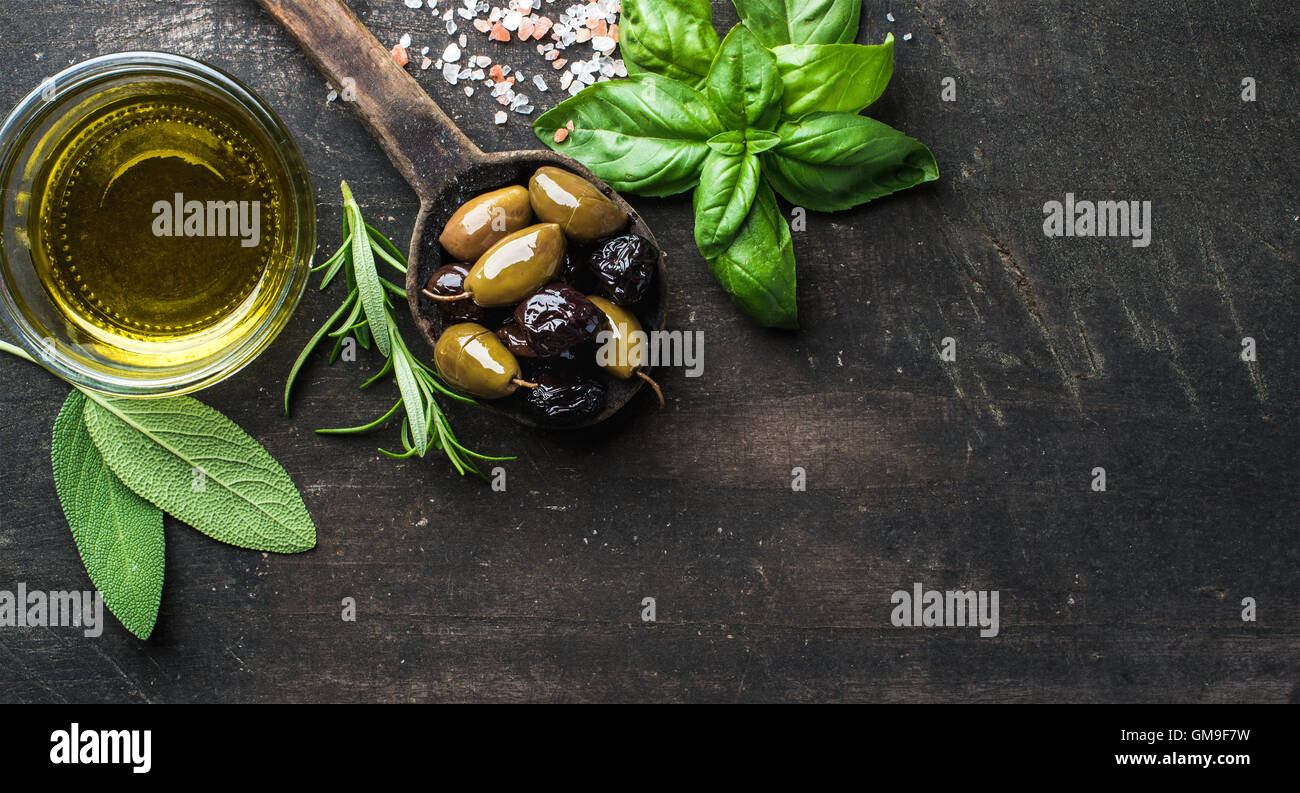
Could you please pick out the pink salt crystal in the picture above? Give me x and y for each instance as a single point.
(499, 33)
(552, 55)
(559, 64)
(584, 34)
(482, 25)
(541, 27)
(495, 73)
(561, 134)
(399, 55)
(525, 29)
(613, 31)
(568, 125)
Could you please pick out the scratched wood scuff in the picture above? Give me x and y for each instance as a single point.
(1073, 353)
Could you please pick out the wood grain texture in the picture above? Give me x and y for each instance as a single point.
(1073, 353)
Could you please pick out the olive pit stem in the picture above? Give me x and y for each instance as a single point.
(522, 383)
(444, 298)
(653, 385)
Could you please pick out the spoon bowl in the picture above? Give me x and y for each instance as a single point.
(442, 165)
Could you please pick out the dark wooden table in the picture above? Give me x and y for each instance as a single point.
(1072, 354)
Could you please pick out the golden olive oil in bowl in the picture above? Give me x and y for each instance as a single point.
(158, 224)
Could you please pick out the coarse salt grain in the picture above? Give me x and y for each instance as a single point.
(890, 16)
(500, 117)
(414, 3)
(405, 40)
(907, 37)
(539, 82)
(561, 134)
(399, 55)
(451, 54)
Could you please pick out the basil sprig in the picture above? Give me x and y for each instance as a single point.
(771, 106)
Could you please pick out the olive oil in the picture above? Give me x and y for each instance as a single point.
(161, 223)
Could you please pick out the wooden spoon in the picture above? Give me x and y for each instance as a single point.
(442, 166)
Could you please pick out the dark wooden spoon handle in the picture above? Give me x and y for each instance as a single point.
(423, 143)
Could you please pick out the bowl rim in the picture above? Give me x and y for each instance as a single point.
(44, 100)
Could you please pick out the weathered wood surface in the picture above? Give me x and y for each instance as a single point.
(1073, 353)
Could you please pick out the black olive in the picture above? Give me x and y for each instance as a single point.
(556, 317)
(574, 270)
(564, 398)
(624, 266)
(448, 281)
(515, 339)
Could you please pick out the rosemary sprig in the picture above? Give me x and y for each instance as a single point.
(367, 315)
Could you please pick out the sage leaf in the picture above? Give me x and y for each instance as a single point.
(645, 135)
(199, 466)
(743, 84)
(832, 161)
(118, 534)
(673, 38)
(728, 184)
(363, 264)
(778, 22)
(839, 78)
(757, 269)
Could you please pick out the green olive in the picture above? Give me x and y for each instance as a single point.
(516, 266)
(627, 352)
(582, 210)
(483, 220)
(472, 359)
(629, 345)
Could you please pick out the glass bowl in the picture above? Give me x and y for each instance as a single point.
(42, 302)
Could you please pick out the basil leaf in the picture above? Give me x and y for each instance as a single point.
(118, 534)
(643, 135)
(778, 22)
(757, 269)
(722, 201)
(673, 38)
(831, 161)
(731, 142)
(743, 84)
(839, 78)
(758, 141)
(201, 468)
